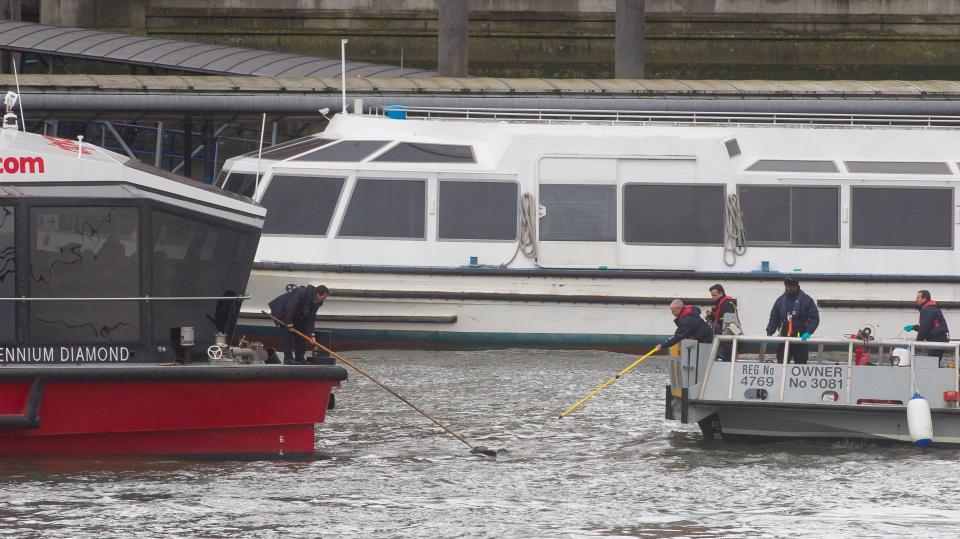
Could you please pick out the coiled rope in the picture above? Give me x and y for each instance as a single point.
(735, 239)
(527, 242)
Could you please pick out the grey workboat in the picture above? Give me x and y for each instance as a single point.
(850, 389)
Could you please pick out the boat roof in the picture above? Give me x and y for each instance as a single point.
(489, 136)
(29, 162)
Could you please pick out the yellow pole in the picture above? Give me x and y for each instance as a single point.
(605, 384)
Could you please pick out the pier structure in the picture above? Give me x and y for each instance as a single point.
(159, 119)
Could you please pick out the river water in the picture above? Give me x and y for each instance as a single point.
(615, 468)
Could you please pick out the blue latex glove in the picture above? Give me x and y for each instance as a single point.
(908, 327)
(805, 336)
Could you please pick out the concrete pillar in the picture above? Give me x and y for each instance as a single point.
(454, 17)
(94, 13)
(629, 39)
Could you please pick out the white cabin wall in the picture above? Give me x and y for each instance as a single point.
(515, 150)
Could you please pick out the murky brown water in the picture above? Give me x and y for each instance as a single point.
(615, 468)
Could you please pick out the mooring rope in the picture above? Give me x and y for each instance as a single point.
(527, 238)
(735, 239)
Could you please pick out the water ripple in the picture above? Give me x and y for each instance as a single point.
(614, 468)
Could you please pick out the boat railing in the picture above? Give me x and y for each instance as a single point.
(675, 118)
(146, 299)
(821, 344)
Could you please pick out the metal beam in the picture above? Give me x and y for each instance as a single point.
(116, 135)
(200, 148)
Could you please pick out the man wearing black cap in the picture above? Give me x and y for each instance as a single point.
(794, 314)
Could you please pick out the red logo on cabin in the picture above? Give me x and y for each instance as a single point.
(21, 165)
(65, 144)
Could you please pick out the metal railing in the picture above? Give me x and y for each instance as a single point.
(678, 118)
(849, 344)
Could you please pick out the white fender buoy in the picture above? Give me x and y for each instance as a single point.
(919, 421)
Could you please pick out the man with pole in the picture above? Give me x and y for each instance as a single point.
(297, 309)
(689, 325)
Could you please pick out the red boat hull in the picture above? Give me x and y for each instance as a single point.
(244, 411)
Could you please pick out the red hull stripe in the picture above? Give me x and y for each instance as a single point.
(156, 417)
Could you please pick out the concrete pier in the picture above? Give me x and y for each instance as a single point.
(734, 39)
(630, 39)
(452, 38)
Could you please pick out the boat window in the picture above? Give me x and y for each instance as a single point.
(733, 147)
(300, 205)
(472, 210)
(7, 274)
(774, 214)
(386, 209)
(410, 152)
(290, 148)
(576, 212)
(80, 251)
(241, 183)
(193, 258)
(792, 165)
(345, 150)
(896, 167)
(673, 214)
(221, 178)
(902, 217)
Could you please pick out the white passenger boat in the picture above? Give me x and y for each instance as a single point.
(840, 394)
(459, 228)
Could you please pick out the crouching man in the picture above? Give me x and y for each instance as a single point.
(689, 325)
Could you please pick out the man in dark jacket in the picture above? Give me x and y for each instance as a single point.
(932, 326)
(689, 325)
(722, 304)
(297, 309)
(794, 314)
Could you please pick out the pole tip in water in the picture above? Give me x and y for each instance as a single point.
(489, 453)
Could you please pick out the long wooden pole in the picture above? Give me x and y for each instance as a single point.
(313, 342)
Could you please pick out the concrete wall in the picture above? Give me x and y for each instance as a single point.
(94, 13)
(732, 39)
(812, 7)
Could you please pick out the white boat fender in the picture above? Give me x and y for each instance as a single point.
(919, 421)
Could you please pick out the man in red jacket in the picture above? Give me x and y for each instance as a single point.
(689, 325)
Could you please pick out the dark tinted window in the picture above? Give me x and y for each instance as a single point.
(792, 165)
(300, 205)
(290, 148)
(386, 209)
(766, 213)
(345, 150)
(897, 167)
(815, 216)
(84, 252)
(409, 152)
(193, 258)
(241, 183)
(478, 210)
(578, 212)
(791, 215)
(683, 214)
(7, 274)
(733, 148)
(901, 217)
